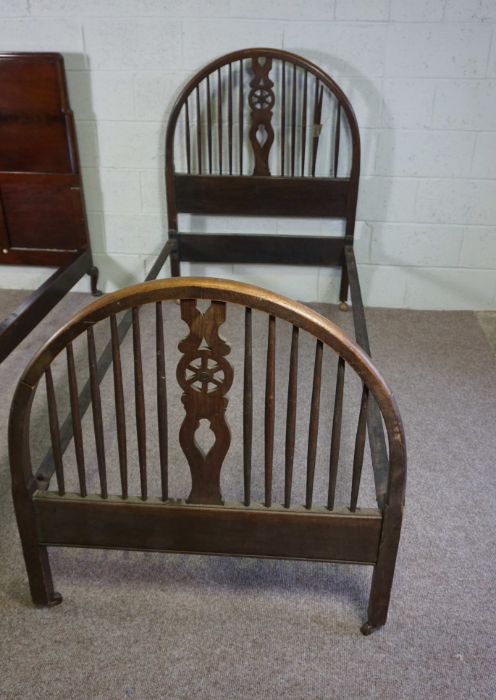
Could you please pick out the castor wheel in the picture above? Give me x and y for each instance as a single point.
(55, 599)
(367, 628)
(343, 306)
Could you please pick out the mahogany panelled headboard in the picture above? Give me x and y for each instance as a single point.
(42, 212)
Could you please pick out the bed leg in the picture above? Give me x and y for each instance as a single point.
(343, 291)
(40, 579)
(175, 265)
(382, 578)
(35, 557)
(93, 273)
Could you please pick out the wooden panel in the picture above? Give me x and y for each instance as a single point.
(260, 248)
(43, 216)
(33, 129)
(262, 196)
(240, 531)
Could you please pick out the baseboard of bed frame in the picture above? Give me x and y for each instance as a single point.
(276, 532)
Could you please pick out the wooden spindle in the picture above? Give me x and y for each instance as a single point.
(293, 122)
(247, 407)
(139, 402)
(304, 123)
(53, 419)
(230, 119)
(198, 130)
(76, 420)
(313, 430)
(209, 127)
(359, 449)
(241, 115)
(291, 417)
(283, 117)
(219, 116)
(96, 408)
(336, 434)
(162, 403)
(336, 142)
(317, 113)
(120, 414)
(188, 143)
(270, 409)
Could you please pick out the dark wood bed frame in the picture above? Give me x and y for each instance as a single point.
(214, 106)
(42, 212)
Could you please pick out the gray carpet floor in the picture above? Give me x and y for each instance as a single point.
(135, 625)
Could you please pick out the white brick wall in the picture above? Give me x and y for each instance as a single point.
(420, 73)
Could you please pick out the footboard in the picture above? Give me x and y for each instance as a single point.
(255, 468)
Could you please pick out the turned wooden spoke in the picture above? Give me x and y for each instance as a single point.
(247, 407)
(304, 123)
(219, 117)
(313, 430)
(293, 122)
(76, 420)
(162, 402)
(54, 431)
(291, 417)
(230, 118)
(96, 405)
(198, 129)
(317, 126)
(359, 449)
(270, 387)
(139, 398)
(187, 133)
(120, 413)
(337, 140)
(283, 116)
(209, 127)
(241, 113)
(336, 434)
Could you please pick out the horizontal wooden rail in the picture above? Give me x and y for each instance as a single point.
(260, 249)
(239, 531)
(262, 195)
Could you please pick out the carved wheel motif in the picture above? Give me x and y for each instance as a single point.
(261, 98)
(204, 373)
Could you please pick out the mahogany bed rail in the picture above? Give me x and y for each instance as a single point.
(125, 518)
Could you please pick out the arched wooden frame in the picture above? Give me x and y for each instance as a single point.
(214, 187)
(47, 518)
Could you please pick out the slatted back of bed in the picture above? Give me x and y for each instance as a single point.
(42, 214)
(139, 405)
(262, 132)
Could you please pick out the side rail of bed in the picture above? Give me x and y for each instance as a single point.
(131, 510)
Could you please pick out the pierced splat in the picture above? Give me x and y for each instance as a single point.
(261, 99)
(205, 376)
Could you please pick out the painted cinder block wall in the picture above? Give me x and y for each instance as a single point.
(420, 73)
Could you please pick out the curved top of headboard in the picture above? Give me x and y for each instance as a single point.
(227, 291)
(262, 112)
